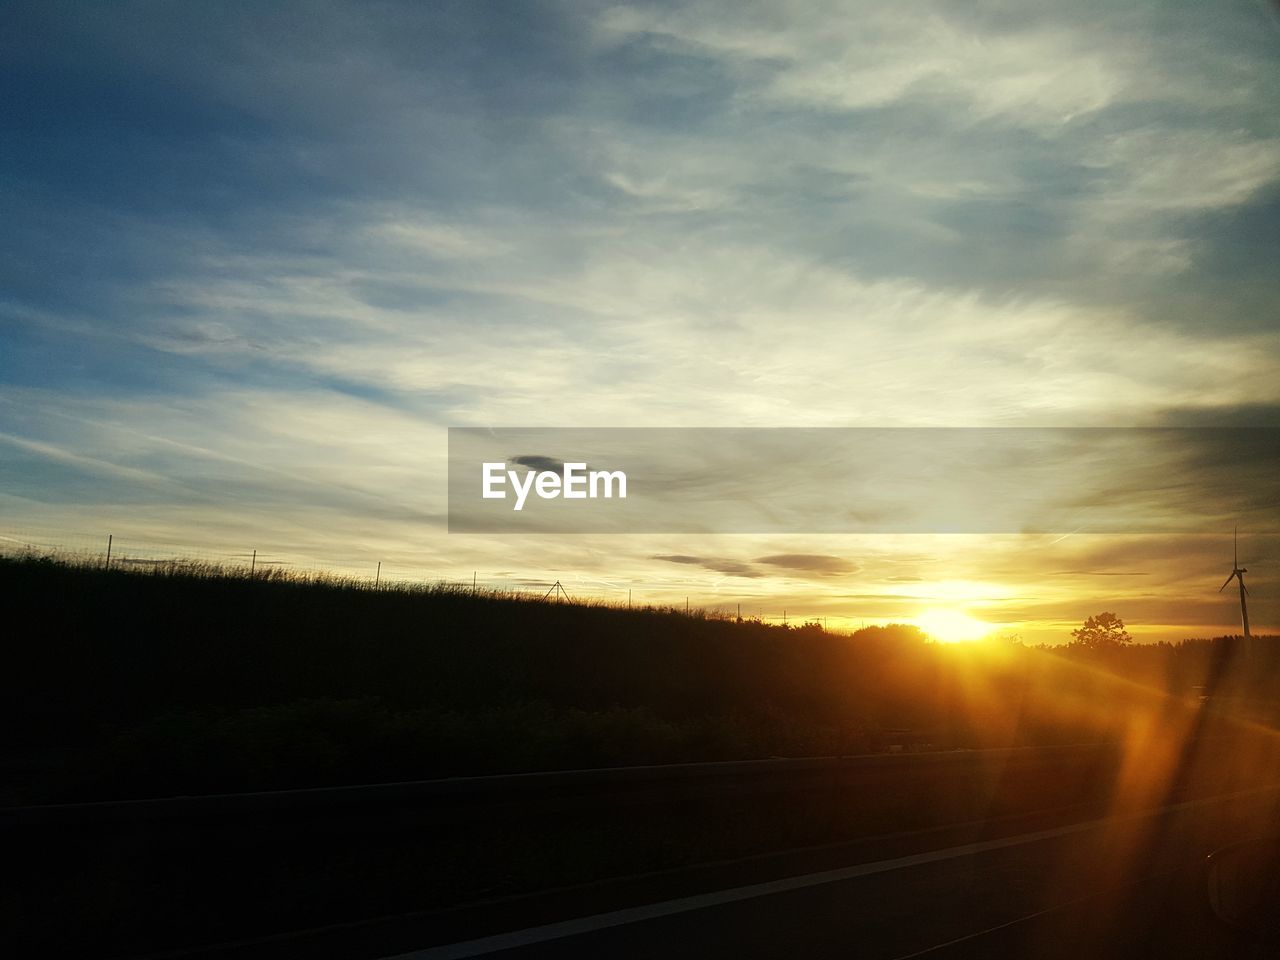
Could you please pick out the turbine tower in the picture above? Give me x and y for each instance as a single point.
(1237, 573)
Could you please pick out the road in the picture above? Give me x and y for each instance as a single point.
(1083, 850)
(1124, 886)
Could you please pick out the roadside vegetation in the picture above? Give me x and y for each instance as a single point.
(184, 679)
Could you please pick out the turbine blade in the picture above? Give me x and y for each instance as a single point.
(1224, 586)
(1235, 548)
(1243, 587)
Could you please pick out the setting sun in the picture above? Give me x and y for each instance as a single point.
(952, 626)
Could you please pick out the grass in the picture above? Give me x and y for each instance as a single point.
(191, 678)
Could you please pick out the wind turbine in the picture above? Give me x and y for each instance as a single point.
(1237, 573)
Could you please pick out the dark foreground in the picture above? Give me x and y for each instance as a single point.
(257, 707)
(1122, 887)
(1035, 853)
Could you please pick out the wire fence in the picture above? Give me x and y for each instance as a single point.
(129, 552)
(125, 551)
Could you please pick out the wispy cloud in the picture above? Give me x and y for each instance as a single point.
(732, 568)
(818, 563)
(255, 265)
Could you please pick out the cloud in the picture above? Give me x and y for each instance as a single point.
(265, 265)
(1224, 415)
(809, 563)
(818, 564)
(732, 568)
(655, 281)
(1097, 573)
(538, 462)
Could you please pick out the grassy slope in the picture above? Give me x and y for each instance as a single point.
(191, 680)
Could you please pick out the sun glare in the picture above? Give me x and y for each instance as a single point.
(952, 626)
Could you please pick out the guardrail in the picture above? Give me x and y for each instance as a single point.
(657, 781)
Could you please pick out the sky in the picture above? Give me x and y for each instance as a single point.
(257, 258)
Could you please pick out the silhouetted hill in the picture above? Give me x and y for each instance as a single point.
(190, 679)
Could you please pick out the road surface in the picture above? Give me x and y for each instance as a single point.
(1124, 886)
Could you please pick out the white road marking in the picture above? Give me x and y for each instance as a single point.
(666, 908)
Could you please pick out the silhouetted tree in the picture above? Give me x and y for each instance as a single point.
(1102, 632)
